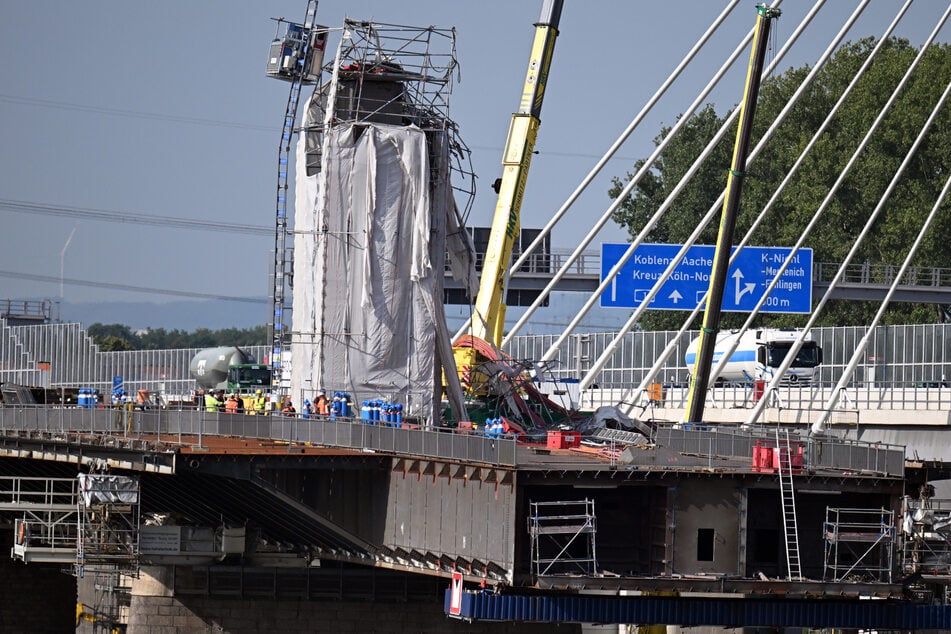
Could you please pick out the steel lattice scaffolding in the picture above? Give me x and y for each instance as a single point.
(859, 544)
(926, 536)
(563, 538)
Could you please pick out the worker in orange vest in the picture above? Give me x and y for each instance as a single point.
(231, 405)
(288, 409)
(321, 405)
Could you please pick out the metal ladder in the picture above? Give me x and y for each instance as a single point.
(282, 255)
(788, 499)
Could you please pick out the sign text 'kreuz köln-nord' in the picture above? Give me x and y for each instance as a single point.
(747, 278)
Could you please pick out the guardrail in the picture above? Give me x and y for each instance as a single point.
(881, 396)
(171, 425)
(820, 453)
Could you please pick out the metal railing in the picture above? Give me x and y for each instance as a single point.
(884, 395)
(173, 425)
(49, 517)
(837, 454)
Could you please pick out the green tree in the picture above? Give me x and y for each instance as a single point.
(119, 337)
(115, 336)
(112, 343)
(850, 207)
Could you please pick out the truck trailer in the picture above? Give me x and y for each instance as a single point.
(760, 353)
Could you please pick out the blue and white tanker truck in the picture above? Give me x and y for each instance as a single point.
(760, 353)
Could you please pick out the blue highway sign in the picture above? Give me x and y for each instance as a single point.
(747, 278)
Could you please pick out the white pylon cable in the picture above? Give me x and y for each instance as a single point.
(614, 148)
(649, 225)
(777, 277)
(820, 425)
(797, 344)
(659, 362)
(606, 216)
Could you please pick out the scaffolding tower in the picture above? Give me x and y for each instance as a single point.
(563, 538)
(926, 536)
(90, 524)
(859, 544)
(296, 56)
(380, 73)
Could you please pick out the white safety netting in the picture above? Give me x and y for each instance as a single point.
(369, 252)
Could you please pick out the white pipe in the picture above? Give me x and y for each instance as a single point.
(603, 220)
(599, 364)
(797, 344)
(609, 277)
(820, 425)
(611, 151)
(62, 262)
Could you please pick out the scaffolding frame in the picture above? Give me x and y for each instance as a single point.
(422, 60)
(859, 544)
(563, 538)
(90, 524)
(926, 536)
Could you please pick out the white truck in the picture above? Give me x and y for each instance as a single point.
(760, 353)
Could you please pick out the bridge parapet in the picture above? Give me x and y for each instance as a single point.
(836, 454)
(185, 426)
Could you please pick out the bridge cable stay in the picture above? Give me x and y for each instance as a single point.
(665, 354)
(553, 350)
(799, 243)
(599, 364)
(793, 170)
(649, 225)
(797, 344)
(777, 277)
(819, 426)
(530, 250)
(606, 216)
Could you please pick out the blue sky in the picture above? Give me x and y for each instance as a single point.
(164, 109)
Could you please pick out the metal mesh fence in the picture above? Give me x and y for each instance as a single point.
(912, 356)
(908, 356)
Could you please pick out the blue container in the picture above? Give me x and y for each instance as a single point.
(365, 410)
(398, 413)
(346, 409)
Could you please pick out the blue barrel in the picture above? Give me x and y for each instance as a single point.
(398, 413)
(346, 409)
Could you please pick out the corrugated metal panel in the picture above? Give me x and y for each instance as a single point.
(696, 611)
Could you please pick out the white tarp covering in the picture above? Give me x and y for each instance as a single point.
(108, 489)
(369, 248)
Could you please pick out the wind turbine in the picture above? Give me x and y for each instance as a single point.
(62, 262)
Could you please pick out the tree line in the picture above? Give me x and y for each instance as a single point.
(118, 337)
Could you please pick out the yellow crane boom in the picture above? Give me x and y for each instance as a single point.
(489, 319)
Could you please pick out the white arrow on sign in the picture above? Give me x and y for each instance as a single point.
(675, 296)
(738, 293)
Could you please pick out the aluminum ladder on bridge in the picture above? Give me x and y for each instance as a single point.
(784, 468)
